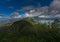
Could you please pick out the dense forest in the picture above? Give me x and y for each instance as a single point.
(27, 30)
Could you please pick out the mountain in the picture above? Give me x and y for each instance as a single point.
(22, 26)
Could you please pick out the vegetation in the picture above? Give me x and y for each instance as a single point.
(6, 24)
(28, 31)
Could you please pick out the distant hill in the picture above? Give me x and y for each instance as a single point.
(25, 25)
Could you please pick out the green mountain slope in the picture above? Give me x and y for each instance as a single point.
(27, 30)
(23, 26)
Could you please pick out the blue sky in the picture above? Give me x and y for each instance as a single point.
(9, 6)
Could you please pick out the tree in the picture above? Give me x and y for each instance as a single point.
(55, 23)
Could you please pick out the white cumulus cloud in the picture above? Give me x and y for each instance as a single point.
(15, 15)
(55, 4)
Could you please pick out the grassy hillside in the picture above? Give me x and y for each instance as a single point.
(6, 24)
(28, 31)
